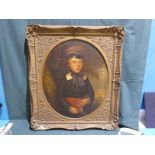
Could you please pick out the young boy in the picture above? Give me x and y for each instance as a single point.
(76, 94)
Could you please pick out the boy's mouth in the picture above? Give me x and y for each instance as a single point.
(77, 69)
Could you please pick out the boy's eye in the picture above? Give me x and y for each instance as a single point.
(74, 61)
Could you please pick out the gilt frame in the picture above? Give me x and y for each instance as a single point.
(108, 40)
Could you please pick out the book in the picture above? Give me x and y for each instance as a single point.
(128, 131)
(149, 101)
(6, 130)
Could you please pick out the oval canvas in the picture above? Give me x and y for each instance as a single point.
(75, 78)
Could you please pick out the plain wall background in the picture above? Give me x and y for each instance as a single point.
(149, 78)
(13, 58)
(4, 118)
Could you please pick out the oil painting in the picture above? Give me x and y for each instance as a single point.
(74, 76)
(77, 74)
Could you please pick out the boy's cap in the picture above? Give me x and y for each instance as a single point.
(74, 54)
(75, 51)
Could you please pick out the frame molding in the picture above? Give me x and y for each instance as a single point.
(41, 40)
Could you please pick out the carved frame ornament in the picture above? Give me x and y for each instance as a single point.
(41, 40)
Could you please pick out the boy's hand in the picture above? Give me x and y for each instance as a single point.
(85, 101)
(74, 110)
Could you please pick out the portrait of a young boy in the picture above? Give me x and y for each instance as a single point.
(76, 93)
(75, 79)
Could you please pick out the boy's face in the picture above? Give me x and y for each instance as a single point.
(75, 64)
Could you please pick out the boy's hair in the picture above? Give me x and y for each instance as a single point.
(75, 54)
